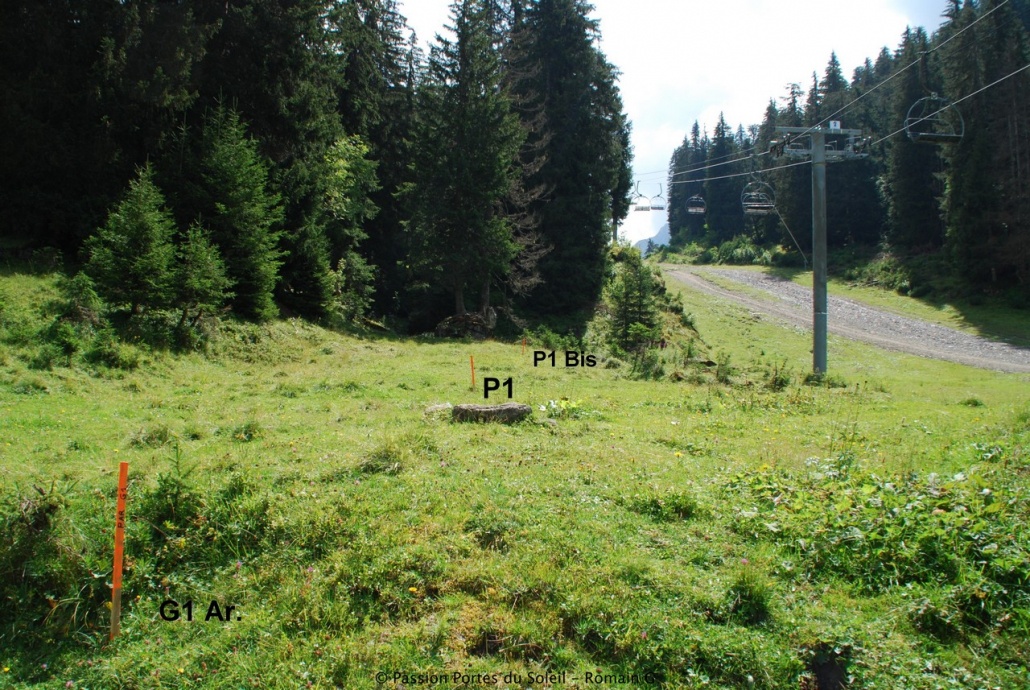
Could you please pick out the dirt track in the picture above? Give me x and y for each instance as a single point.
(792, 303)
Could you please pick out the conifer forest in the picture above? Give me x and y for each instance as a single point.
(313, 156)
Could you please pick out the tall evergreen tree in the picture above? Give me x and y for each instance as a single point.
(853, 206)
(914, 218)
(130, 257)
(986, 191)
(90, 88)
(722, 193)
(586, 144)
(466, 146)
(224, 186)
(686, 181)
(381, 62)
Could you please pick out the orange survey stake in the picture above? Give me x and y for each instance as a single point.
(472, 364)
(119, 540)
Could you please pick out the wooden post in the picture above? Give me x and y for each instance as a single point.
(119, 541)
(472, 364)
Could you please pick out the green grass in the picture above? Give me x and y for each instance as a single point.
(292, 473)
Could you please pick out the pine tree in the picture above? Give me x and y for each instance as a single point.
(686, 180)
(585, 142)
(914, 219)
(130, 257)
(228, 192)
(467, 143)
(381, 62)
(793, 185)
(987, 185)
(722, 195)
(853, 206)
(631, 298)
(201, 285)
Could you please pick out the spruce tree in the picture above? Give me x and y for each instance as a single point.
(686, 181)
(585, 142)
(230, 196)
(631, 298)
(914, 217)
(130, 257)
(201, 285)
(466, 149)
(722, 195)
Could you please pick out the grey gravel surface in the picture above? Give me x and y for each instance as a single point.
(792, 303)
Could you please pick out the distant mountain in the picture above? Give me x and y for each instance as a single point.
(661, 238)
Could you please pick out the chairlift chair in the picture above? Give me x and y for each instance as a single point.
(696, 205)
(934, 120)
(658, 202)
(641, 202)
(758, 199)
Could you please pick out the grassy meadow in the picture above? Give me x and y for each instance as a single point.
(724, 525)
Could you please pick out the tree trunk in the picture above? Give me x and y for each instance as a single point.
(484, 297)
(459, 300)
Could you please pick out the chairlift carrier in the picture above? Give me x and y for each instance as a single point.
(758, 199)
(934, 120)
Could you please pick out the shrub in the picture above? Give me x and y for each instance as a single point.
(106, 350)
(631, 298)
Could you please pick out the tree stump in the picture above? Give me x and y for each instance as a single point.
(508, 413)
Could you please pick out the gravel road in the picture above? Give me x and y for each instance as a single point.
(793, 303)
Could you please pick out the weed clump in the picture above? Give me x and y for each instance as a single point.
(965, 536)
(666, 506)
(491, 528)
(250, 430)
(386, 459)
(747, 599)
(152, 438)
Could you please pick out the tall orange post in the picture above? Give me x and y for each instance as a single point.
(119, 542)
(472, 365)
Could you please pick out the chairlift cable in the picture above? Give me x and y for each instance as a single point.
(796, 244)
(743, 174)
(842, 110)
(845, 108)
(954, 103)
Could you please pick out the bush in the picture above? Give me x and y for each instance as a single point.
(106, 350)
(46, 580)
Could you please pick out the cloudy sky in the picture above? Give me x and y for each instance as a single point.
(686, 60)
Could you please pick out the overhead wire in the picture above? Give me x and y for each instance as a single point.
(842, 110)
(923, 54)
(940, 110)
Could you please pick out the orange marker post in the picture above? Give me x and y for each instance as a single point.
(472, 364)
(119, 541)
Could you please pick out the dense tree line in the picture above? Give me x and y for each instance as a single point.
(967, 200)
(311, 157)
